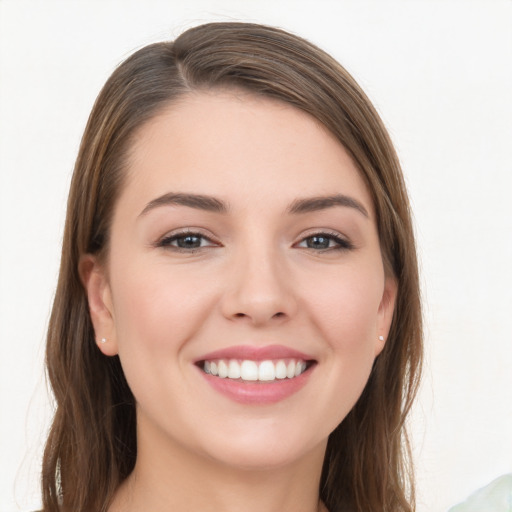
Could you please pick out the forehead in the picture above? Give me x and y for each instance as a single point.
(234, 145)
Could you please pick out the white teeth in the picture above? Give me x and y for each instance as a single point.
(290, 369)
(264, 371)
(249, 370)
(233, 370)
(280, 370)
(223, 369)
(301, 366)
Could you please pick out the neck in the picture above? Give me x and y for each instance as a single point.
(176, 479)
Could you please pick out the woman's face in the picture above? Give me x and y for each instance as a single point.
(244, 242)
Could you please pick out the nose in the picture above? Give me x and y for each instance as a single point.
(258, 289)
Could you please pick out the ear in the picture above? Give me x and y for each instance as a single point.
(95, 282)
(385, 313)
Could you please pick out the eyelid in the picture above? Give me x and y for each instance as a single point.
(165, 241)
(342, 241)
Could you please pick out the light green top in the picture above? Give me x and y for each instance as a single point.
(495, 497)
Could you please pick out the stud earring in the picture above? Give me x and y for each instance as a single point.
(103, 340)
(381, 338)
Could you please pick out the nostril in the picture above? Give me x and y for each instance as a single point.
(279, 314)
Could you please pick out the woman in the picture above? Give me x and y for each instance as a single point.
(237, 322)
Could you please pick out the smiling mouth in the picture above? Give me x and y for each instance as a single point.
(255, 371)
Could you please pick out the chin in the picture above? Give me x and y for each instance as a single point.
(260, 451)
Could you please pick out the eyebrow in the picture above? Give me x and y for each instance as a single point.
(314, 204)
(212, 204)
(198, 201)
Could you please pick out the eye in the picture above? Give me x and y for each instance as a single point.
(325, 241)
(186, 241)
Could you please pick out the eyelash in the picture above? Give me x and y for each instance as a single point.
(341, 244)
(167, 241)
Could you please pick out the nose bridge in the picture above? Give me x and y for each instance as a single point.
(259, 288)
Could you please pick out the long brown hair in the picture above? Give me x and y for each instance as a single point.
(91, 446)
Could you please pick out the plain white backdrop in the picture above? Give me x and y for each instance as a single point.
(440, 74)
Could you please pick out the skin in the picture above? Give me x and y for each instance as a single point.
(253, 281)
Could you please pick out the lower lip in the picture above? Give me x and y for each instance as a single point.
(258, 392)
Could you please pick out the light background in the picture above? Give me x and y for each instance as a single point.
(440, 74)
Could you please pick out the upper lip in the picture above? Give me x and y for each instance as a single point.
(256, 353)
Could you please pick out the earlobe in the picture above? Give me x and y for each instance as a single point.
(99, 297)
(386, 310)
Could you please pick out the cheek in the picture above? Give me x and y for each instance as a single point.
(152, 303)
(157, 314)
(345, 313)
(345, 308)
